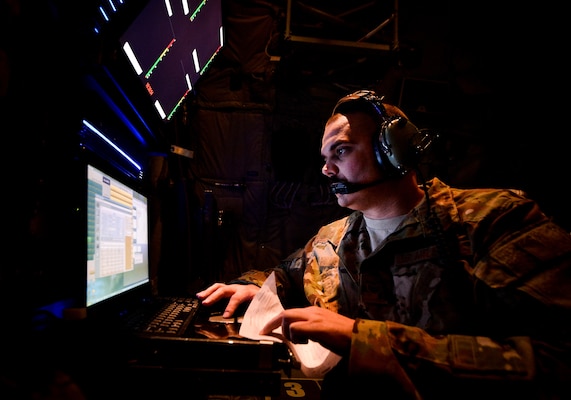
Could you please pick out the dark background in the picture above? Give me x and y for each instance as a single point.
(490, 77)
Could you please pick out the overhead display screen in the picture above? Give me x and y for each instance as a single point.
(170, 45)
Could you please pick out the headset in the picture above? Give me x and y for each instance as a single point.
(397, 143)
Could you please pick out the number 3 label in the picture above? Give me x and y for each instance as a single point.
(294, 389)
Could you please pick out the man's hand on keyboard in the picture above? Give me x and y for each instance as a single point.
(236, 294)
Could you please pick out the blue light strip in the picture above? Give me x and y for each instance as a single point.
(103, 13)
(133, 108)
(109, 142)
(117, 110)
(101, 8)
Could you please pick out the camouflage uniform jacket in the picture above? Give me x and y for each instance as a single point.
(480, 295)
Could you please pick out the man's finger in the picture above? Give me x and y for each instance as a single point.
(296, 335)
(272, 324)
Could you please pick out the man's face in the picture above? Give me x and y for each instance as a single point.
(348, 155)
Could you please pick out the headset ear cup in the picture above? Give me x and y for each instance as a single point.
(396, 145)
(380, 150)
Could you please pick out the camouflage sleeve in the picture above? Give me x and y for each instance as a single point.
(251, 277)
(289, 279)
(405, 353)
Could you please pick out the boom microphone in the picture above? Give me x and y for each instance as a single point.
(348, 187)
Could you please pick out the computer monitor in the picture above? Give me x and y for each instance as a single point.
(117, 237)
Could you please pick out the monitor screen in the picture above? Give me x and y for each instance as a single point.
(117, 237)
(170, 45)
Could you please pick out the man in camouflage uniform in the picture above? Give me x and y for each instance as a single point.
(426, 291)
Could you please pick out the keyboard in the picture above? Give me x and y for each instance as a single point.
(171, 317)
